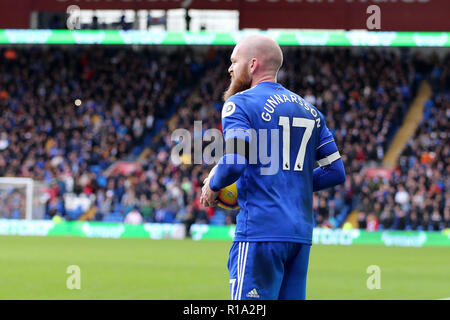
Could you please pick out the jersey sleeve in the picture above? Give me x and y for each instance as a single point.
(235, 125)
(326, 151)
(235, 121)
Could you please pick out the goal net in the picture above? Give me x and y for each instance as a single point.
(19, 199)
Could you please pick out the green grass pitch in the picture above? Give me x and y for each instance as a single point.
(36, 268)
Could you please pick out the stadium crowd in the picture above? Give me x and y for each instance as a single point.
(417, 196)
(68, 114)
(47, 134)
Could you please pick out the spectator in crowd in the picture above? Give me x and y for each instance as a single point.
(414, 222)
(387, 217)
(362, 223)
(372, 222)
(133, 217)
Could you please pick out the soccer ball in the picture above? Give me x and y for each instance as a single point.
(227, 198)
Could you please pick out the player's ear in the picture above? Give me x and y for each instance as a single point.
(253, 64)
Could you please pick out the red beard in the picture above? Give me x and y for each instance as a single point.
(237, 85)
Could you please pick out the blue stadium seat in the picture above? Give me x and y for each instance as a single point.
(218, 218)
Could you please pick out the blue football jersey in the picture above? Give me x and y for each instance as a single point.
(275, 191)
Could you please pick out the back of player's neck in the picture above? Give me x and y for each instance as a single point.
(263, 79)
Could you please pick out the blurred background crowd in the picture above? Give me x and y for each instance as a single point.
(68, 115)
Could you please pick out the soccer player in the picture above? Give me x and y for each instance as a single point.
(270, 252)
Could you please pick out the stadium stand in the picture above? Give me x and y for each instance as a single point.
(416, 197)
(131, 100)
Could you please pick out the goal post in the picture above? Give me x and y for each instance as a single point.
(20, 187)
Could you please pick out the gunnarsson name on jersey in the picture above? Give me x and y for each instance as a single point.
(274, 100)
